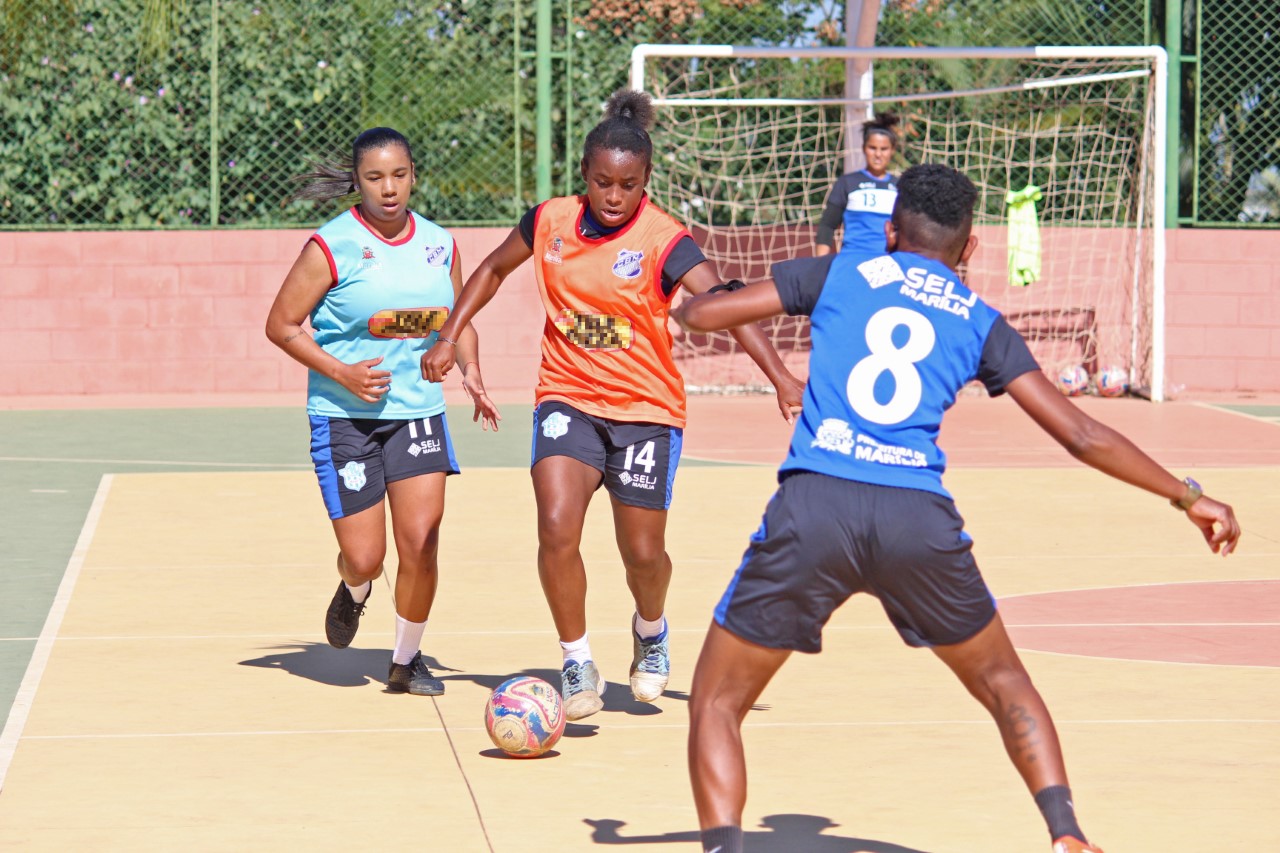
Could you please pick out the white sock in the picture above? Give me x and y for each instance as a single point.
(359, 593)
(647, 630)
(408, 639)
(579, 651)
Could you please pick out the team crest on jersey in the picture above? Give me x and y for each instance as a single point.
(881, 271)
(834, 434)
(353, 475)
(555, 425)
(552, 255)
(367, 259)
(628, 264)
(436, 255)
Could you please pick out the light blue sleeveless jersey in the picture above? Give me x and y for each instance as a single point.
(374, 275)
(868, 205)
(895, 337)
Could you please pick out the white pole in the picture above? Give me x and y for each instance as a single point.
(860, 24)
(1158, 224)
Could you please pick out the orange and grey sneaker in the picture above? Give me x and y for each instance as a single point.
(1071, 844)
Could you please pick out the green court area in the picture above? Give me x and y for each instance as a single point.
(53, 460)
(1266, 413)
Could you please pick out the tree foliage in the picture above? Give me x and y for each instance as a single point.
(109, 115)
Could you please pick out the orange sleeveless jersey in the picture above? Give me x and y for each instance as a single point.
(606, 349)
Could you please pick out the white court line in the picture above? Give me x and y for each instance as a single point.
(26, 694)
(1142, 624)
(1202, 581)
(270, 465)
(843, 724)
(1258, 418)
(204, 567)
(537, 632)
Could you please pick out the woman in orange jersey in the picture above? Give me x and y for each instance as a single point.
(610, 401)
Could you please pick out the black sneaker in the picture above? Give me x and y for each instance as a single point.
(413, 677)
(343, 618)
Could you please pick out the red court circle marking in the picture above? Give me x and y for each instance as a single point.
(1228, 623)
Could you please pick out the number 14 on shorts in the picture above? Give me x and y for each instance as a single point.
(644, 457)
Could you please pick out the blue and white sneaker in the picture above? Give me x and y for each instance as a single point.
(650, 665)
(581, 686)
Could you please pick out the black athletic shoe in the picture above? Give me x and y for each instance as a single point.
(343, 618)
(413, 677)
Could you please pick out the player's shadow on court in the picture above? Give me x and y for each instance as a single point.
(781, 833)
(324, 664)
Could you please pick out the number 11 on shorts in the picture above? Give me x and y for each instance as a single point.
(644, 457)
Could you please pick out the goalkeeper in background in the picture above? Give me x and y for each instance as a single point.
(860, 505)
(863, 200)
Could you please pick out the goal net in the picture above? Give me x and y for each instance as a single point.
(749, 141)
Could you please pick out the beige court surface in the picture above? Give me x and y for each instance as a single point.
(189, 701)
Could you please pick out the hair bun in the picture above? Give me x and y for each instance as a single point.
(887, 120)
(631, 106)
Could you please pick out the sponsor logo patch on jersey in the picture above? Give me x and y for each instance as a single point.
(834, 434)
(595, 331)
(407, 322)
(552, 255)
(628, 264)
(881, 271)
(353, 475)
(555, 425)
(437, 255)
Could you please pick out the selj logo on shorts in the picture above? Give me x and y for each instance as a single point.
(555, 424)
(628, 264)
(353, 475)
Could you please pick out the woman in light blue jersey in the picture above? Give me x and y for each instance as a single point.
(863, 200)
(376, 283)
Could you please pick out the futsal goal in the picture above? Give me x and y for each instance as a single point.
(749, 140)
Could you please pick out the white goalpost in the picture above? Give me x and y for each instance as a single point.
(749, 140)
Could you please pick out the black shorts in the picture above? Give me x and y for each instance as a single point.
(637, 460)
(355, 458)
(823, 539)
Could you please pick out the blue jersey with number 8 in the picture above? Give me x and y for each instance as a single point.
(894, 337)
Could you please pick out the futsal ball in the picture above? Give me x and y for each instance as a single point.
(1113, 382)
(1073, 380)
(525, 716)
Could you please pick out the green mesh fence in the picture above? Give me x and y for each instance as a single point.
(1237, 177)
(110, 116)
(197, 113)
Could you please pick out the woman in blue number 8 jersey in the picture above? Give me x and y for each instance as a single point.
(860, 505)
(377, 282)
(863, 200)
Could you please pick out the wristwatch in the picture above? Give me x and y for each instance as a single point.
(1193, 494)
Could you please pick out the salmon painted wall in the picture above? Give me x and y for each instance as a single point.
(182, 312)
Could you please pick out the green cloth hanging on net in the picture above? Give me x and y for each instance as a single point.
(1024, 236)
